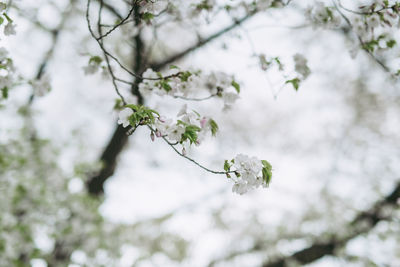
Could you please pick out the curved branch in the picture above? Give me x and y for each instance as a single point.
(119, 138)
(163, 63)
(363, 223)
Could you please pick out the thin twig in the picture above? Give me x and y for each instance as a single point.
(119, 24)
(188, 158)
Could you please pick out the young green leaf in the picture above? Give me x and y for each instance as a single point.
(214, 127)
(295, 82)
(236, 86)
(227, 167)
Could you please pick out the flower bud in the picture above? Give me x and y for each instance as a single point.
(162, 119)
(203, 122)
(152, 136)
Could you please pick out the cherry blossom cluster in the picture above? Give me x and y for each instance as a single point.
(9, 28)
(372, 28)
(185, 84)
(300, 67)
(7, 72)
(320, 15)
(189, 128)
(249, 173)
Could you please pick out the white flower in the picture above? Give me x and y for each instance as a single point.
(249, 174)
(240, 188)
(3, 53)
(9, 29)
(162, 126)
(155, 6)
(42, 86)
(229, 99)
(301, 65)
(244, 163)
(124, 116)
(175, 132)
(374, 20)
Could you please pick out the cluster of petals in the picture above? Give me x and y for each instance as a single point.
(249, 178)
(41, 86)
(322, 16)
(154, 6)
(301, 65)
(216, 83)
(7, 76)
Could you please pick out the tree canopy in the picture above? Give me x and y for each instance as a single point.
(199, 133)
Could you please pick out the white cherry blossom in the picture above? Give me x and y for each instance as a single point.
(9, 29)
(42, 86)
(123, 116)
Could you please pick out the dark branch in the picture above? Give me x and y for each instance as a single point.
(117, 142)
(363, 223)
(95, 184)
(162, 64)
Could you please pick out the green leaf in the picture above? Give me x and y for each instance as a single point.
(295, 82)
(165, 85)
(267, 175)
(214, 127)
(266, 164)
(173, 67)
(198, 114)
(1, 20)
(190, 133)
(391, 43)
(227, 167)
(132, 106)
(95, 59)
(266, 171)
(147, 16)
(236, 86)
(118, 104)
(4, 92)
(193, 128)
(184, 76)
(8, 18)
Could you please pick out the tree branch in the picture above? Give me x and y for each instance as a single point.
(363, 223)
(95, 184)
(162, 64)
(119, 138)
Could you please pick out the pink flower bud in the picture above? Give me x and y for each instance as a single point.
(158, 133)
(152, 136)
(203, 122)
(184, 151)
(162, 119)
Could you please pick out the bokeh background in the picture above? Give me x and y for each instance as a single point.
(333, 145)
